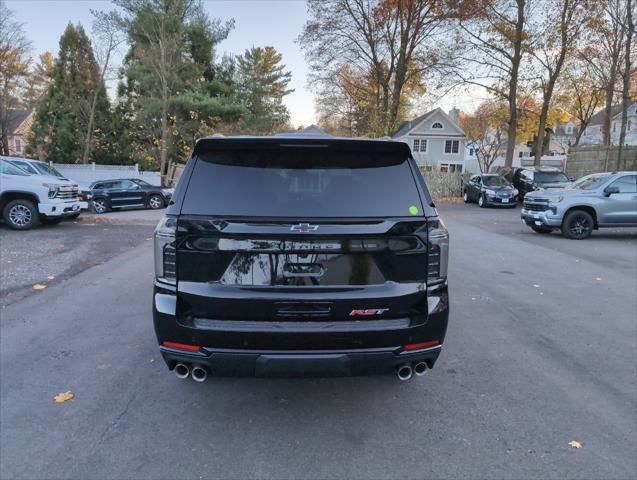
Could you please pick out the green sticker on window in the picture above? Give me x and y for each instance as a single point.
(413, 210)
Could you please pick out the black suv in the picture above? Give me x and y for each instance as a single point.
(529, 179)
(283, 256)
(126, 193)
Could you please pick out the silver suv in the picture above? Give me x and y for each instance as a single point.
(595, 201)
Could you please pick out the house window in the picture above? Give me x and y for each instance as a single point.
(628, 125)
(471, 152)
(18, 145)
(569, 129)
(455, 167)
(452, 146)
(614, 126)
(437, 125)
(420, 145)
(444, 167)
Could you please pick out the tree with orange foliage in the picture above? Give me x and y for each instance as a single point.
(387, 46)
(14, 67)
(486, 132)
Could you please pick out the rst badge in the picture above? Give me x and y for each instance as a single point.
(368, 312)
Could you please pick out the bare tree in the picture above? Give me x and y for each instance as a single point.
(107, 36)
(560, 25)
(579, 95)
(603, 50)
(629, 28)
(392, 44)
(14, 66)
(494, 40)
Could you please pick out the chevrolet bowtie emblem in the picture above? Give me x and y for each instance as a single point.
(304, 228)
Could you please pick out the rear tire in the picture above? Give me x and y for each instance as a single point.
(482, 203)
(537, 229)
(21, 215)
(578, 225)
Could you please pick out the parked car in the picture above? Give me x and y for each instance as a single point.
(26, 200)
(300, 256)
(490, 189)
(127, 193)
(595, 201)
(529, 179)
(37, 167)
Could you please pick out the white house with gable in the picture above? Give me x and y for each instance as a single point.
(436, 140)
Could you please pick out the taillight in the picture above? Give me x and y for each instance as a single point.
(165, 252)
(438, 251)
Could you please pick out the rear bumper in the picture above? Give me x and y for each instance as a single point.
(248, 363)
(267, 349)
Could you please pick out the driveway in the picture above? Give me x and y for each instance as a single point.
(540, 351)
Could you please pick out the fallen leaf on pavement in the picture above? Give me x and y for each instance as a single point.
(575, 444)
(63, 397)
(51, 277)
(536, 285)
(39, 286)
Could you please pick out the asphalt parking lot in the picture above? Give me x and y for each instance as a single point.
(541, 351)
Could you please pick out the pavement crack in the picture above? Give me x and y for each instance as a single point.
(114, 423)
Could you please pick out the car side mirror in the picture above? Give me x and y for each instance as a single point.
(608, 191)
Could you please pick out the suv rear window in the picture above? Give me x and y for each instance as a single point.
(301, 182)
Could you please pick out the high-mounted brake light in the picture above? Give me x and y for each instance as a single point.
(182, 346)
(421, 345)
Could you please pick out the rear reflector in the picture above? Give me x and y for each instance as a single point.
(181, 346)
(418, 346)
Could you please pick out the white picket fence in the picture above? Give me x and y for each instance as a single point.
(87, 174)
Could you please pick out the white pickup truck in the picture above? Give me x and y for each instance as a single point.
(26, 200)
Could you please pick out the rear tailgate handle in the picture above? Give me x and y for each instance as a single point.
(297, 270)
(303, 308)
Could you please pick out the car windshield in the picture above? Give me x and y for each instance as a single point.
(495, 181)
(590, 182)
(551, 177)
(142, 183)
(46, 169)
(9, 169)
(302, 183)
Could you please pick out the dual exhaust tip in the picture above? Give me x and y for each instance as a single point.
(406, 371)
(197, 372)
(200, 373)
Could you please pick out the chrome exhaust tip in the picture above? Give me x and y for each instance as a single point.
(199, 373)
(420, 368)
(403, 372)
(182, 370)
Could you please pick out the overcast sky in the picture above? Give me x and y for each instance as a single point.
(275, 23)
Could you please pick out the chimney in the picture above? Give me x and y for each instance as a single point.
(454, 114)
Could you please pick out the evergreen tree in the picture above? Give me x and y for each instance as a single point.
(170, 92)
(62, 117)
(262, 84)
